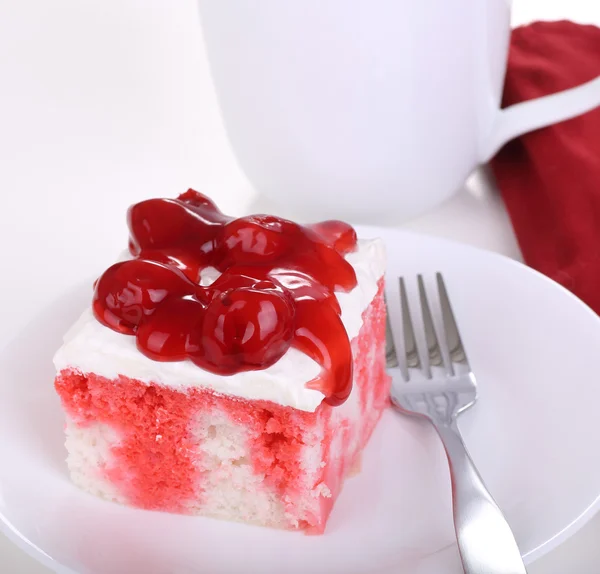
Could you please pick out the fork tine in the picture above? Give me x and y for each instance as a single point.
(433, 346)
(455, 345)
(410, 343)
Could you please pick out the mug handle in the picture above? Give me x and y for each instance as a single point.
(524, 117)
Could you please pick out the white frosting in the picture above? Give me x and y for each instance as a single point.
(90, 347)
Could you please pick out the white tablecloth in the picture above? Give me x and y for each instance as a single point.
(107, 102)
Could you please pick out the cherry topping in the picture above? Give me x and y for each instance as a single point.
(130, 290)
(276, 290)
(329, 347)
(247, 328)
(169, 334)
(254, 240)
(337, 234)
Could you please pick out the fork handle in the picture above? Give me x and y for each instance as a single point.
(485, 540)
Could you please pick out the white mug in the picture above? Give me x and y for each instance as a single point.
(362, 108)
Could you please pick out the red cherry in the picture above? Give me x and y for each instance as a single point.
(166, 335)
(129, 290)
(158, 223)
(167, 223)
(257, 239)
(202, 203)
(303, 287)
(246, 328)
(337, 234)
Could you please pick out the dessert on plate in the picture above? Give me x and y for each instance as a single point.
(231, 368)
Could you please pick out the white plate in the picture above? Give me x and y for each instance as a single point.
(533, 434)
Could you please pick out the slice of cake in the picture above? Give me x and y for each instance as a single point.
(231, 368)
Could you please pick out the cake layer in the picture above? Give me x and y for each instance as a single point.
(192, 450)
(90, 347)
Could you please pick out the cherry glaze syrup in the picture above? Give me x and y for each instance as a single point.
(275, 291)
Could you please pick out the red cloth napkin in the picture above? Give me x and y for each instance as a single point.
(550, 178)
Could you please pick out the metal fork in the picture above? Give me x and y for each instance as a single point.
(438, 384)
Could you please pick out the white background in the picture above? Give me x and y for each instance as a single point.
(106, 102)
